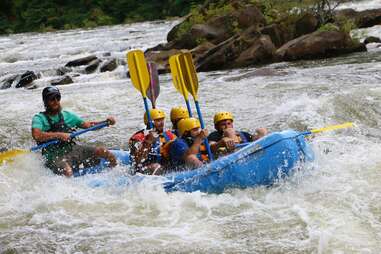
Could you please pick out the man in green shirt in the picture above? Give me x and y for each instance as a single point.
(56, 123)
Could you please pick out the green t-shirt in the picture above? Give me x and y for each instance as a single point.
(40, 121)
(71, 120)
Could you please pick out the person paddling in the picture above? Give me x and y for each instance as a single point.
(189, 150)
(150, 152)
(57, 123)
(177, 113)
(225, 137)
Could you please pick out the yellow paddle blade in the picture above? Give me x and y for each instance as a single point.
(333, 127)
(138, 71)
(8, 156)
(190, 74)
(177, 75)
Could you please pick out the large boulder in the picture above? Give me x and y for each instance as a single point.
(161, 59)
(368, 18)
(200, 50)
(306, 24)
(249, 48)
(362, 19)
(278, 33)
(216, 28)
(318, 45)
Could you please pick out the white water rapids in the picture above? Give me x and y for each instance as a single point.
(332, 207)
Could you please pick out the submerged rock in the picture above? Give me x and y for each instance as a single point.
(62, 81)
(93, 65)
(7, 82)
(372, 39)
(81, 61)
(109, 65)
(63, 70)
(26, 79)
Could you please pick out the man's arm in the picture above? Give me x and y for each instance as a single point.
(190, 156)
(89, 124)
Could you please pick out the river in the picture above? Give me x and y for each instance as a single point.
(332, 206)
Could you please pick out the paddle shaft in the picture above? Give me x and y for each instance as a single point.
(305, 133)
(189, 108)
(72, 135)
(203, 127)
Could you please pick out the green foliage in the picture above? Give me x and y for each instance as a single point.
(346, 25)
(329, 27)
(48, 15)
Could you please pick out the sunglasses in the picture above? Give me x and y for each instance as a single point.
(55, 98)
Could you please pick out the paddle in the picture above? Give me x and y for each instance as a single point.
(8, 155)
(191, 82)
(153, 90)
(178, 80)
(140, 77)
(328, 128)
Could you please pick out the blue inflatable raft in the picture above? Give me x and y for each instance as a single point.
(259, 163)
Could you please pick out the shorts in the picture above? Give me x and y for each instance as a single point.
(81, 156)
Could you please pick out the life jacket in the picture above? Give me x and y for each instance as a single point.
(242, 137)
(62, 147)
(160, 148)
(202, 152)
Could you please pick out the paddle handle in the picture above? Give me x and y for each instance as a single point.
(203, 127)
(72, 135)
(147, 112)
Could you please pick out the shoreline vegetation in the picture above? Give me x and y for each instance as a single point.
(220, 34)
(19, 16)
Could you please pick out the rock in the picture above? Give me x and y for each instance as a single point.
(362, 19)
(81, 61)
(109, 65)
(368, 18)
(372, 39)
(249, 15)
(63, 70)
(200, 50)
(5, 85)
(249, 48)
(93, 65)
(106, 54)
(306, 24)
(173, 32)
(207, 32)
(161, 59)
(26, 79)
(217, 28)
(318, 45)
(278, 34)
(7, 82)
(62, 81)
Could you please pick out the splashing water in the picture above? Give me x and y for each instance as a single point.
(332, 207)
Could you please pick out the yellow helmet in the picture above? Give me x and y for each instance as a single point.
(154, 114)
(224, 115)
(188, 124)
(178, 113)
